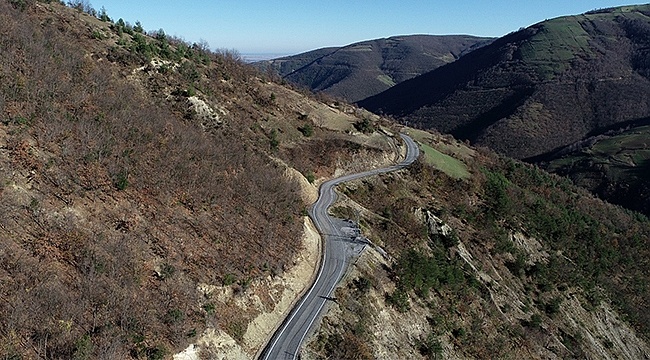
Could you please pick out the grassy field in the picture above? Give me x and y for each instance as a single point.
(454, 149)
(620, 10)
(556, 44)
(443, 155)
(386, 80)
(625, 151)
(445, 163)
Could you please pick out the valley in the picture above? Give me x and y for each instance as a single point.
(339, 250)
(157, 195)
(357, 71)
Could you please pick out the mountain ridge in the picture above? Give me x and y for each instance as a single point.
(154, 196)
(358, 70)
(549, 94)
(523, 85)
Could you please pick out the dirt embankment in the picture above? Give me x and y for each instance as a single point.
(270, 299)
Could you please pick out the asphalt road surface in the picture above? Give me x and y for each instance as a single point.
(340, 248)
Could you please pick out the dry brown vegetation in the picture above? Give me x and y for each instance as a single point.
(117, 200)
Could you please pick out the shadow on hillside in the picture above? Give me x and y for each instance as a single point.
(588, 140)
(633, 193)
(507, 107)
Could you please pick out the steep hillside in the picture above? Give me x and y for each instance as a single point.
(486, 257)
(153, 197)
(363, 69)
(613, 165)
(538, 89)
(136, 173)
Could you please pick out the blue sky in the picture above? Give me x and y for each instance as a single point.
(294, 26)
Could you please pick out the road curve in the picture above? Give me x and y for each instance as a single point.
(339, 249)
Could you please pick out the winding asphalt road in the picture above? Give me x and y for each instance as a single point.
(340, 248)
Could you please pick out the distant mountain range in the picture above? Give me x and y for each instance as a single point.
(363, 69)
(537, 89)
(571, 94)
(154, 199)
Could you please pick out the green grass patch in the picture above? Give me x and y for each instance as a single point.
(557, 43)
(455, 148)
(629, 141)
(445, 163)
(386, 80)
(611, 13)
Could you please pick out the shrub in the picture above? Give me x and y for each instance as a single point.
(167, 271)
(156, 353)
(310, 177)
(431, 346)
(307, 130)
(138, 28)
(365, 126)
(160, 35)
(18, 4)
(96, 34)
(535, 321)
(103, 15)
(399, 299)
(83, 6)
(189, 71)
(496, 193)
(362, 284)
(229, 279)
(174, 316)
(274, 142)
(83, 348)
(122, 180)
(518, 265)
(209, 308)
(553, 306)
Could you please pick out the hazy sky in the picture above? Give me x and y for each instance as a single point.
(294, 26)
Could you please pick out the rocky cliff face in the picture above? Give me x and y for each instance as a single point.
(575, 331)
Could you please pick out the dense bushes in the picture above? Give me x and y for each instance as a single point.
(603, 241)
(420, 272)
(127, 205)
(586, 244)
(365, 126)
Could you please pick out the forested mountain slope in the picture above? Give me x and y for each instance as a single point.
(537, 89)
(357, 71)
(613, 164)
